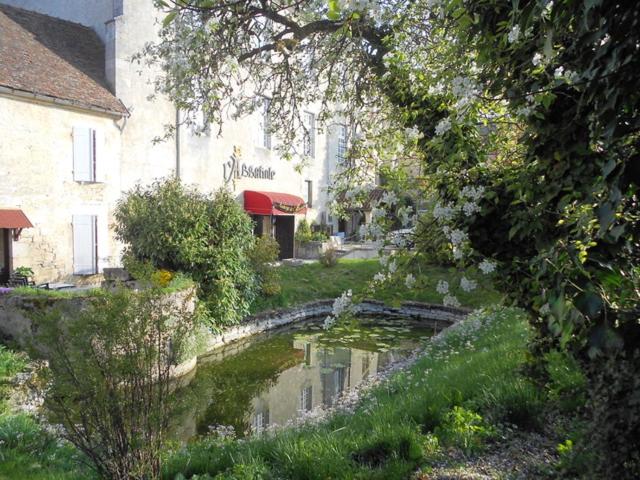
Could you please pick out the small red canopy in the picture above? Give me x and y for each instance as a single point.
(273, 203)
(14, 218)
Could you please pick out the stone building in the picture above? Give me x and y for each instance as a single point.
(77, 130)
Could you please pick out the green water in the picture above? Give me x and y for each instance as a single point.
(273, 378)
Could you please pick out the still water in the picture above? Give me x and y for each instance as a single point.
(273, 378)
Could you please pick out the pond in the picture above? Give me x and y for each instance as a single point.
(272, 378)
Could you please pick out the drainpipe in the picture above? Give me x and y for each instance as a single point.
(177, 143)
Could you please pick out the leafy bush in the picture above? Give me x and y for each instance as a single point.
(329, 258)
(263, 255)
(179, 229)
(304, 233)
(464, 429)
(110, 377)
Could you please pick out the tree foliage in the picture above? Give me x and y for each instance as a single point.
(524, 116)
(208, 237)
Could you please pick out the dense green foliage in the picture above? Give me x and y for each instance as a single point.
(110, 377)
(459, 396)
(207, 237)
(263, 256)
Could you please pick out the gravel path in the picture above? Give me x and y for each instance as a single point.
(517, 455)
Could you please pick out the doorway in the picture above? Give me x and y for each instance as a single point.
(285, 226)
(5, 254)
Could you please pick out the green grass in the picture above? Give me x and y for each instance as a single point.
(457, 395)
(312, 281)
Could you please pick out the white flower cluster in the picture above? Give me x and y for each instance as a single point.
(413, 133)
(472, 193)
(469, 208)
(389, 198)
(537, 59)
(443, 127)
(410, 281)
(379, 278)
(463, 87)
(405, 215)
(450, 301)
(343, 304)
(457, 236)
(442, 287)
(514, 34)
(468, 285)
(487, 266)
(443, 212)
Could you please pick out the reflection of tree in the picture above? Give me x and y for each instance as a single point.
(221, 392)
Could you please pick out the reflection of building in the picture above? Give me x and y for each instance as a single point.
(78, 130)
(318, 381)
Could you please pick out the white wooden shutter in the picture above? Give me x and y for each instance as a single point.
(84, 244)
(82, 154)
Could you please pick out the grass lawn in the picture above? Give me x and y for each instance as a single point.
(312, 281)
(457, 396)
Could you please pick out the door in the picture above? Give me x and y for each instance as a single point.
(5, 254)
(285, 225)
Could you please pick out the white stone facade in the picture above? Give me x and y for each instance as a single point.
(36, 147)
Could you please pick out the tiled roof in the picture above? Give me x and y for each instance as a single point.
(47, 56)
(13, 218)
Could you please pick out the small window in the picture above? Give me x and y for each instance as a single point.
(309, 140)
(85, 154)
(306, 399)
(85, 244)
(264, 139)
(341, 154)
(309, 193)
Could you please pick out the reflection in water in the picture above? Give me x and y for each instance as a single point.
(273, 378)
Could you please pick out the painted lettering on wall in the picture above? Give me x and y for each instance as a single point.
(234, 168)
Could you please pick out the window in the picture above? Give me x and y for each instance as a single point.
(265, 125)
(309, 140)
(309, 193)
(341, 154)
(306, 398)
(85, 154)
(85, 244)
(260, 421)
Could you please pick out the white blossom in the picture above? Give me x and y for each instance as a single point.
(457, 236)
(537, 59)
(328, 322)
(443, 212)
(392, 266)
(468, 285)
(384, 260)
(389, 198)
(487, 266)
(474, 193)
(410, 281)
(379, 277)
(343, 304)
(558, 72)
(514, 34)
(450, 301)
(443, 126)
(469, 208)
(457, 253)
(442, 287)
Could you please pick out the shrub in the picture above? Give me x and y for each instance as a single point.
(110, 378)
(263, 256)
(179, 229)
(464, 429)
(329, 258)
(304, 233)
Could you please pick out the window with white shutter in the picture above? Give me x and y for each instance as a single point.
(84, 154)
(85, 244)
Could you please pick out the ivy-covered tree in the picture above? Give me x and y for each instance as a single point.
(524, 116)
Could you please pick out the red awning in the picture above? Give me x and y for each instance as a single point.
(14, 219)
(273, 203)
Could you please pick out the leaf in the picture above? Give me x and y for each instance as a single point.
(334, 10)
(169, 18)
(589, 303)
